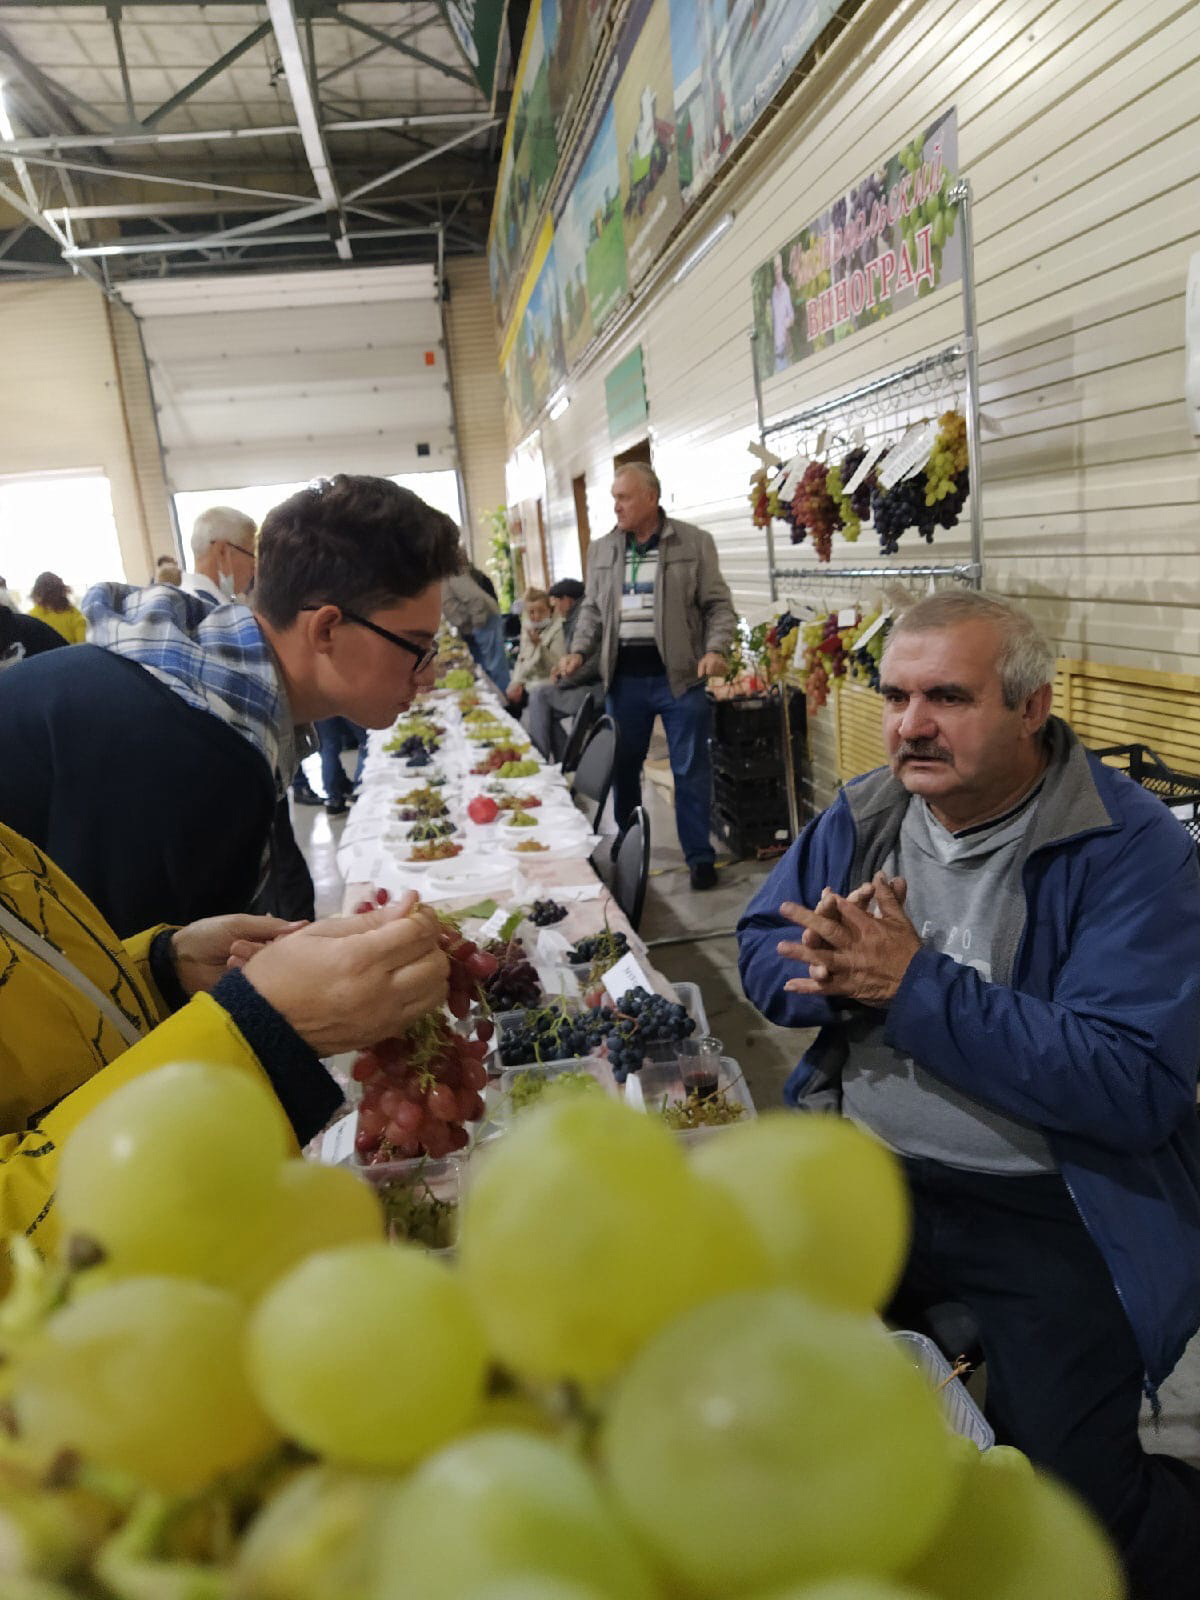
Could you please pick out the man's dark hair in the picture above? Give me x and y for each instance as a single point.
(352, 541)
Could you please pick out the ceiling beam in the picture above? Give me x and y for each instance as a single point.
(206, 77)
(114, 22)
(211, 241)
(418, 119)
(133, 210)
(164, 178)
(367, 55)
(54, 97)
(417, 161)
(287, 38)
(393, 43)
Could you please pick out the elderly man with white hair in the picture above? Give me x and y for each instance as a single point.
(1017, 1015)
(223, 552)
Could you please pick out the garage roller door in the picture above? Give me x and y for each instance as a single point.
(281, 377)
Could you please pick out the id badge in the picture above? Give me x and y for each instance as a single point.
(637, 602)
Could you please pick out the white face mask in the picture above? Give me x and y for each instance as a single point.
(226, 585)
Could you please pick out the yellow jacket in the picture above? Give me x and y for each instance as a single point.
(59, 1055)
(71, 623)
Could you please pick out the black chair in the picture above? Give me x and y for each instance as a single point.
(594, 774)
(631, 867)
(581, 726)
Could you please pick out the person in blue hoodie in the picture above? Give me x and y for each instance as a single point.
(998, 938)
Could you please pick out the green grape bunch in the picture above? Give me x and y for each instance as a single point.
(948, 459)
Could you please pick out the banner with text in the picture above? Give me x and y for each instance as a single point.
(889, 241)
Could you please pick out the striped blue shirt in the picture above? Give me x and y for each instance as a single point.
(215, 657)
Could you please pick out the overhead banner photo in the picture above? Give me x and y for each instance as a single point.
(888, 241)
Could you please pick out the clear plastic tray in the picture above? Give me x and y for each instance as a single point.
(434, 1180)
(962, 1414)
(594, 1066)
(659, 1081)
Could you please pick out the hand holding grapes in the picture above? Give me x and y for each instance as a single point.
(711, 665)
(348, 981)
(203, 950)
(863, 956)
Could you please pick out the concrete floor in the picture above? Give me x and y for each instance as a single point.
(674, 915)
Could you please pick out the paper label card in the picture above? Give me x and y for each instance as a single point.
(627, 974)
(910, 455)
(847, 618)
(869, 633)
(874, 451)
(492, 927)
(337, 1144)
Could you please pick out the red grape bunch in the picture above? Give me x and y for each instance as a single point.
(421, 1088)
(815, 508)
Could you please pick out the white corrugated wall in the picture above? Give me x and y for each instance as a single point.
(478, 392)
(63, 393)
(1078, 127)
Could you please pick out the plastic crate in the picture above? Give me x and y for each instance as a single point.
(751, 720)
(1178, 791)
(960, 1411)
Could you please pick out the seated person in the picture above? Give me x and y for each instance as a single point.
(553, 705)
(72, 1031)
(1020, 1022)
(540, 649)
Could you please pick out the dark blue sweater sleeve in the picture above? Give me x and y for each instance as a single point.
(307, 1093)
(821, 856)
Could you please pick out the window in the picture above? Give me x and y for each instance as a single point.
(58, 522)
(438, 489)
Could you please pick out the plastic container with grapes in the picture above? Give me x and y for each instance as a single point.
(420, 1198)
(545, 1073)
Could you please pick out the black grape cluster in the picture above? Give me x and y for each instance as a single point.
(895, 510)
(544, 913)
(640, 1020)
(597, 945)
(549, 1033)
(431, 828)
(514, 983)
(866, 668)
(414, 746)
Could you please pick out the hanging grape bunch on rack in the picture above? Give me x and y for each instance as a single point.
(843, 507)
(816, 509)
(864, 659)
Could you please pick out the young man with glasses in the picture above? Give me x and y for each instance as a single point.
(150, 772)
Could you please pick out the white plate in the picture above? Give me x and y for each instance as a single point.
(571, 850)
(479, 877)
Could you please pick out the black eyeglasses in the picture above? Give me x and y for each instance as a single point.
(422, 656)
(242, 548)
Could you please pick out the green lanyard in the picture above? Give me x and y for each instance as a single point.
(635, 563)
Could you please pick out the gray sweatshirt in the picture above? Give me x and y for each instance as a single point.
(956, 885)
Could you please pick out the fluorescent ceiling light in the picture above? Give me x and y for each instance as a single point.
(705, 245)
(6, 127)
(558, 404)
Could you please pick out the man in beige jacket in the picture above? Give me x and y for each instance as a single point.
(660, 610)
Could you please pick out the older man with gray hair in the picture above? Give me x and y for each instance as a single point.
(223, 553)
(659, 611)
(1017, 1015)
